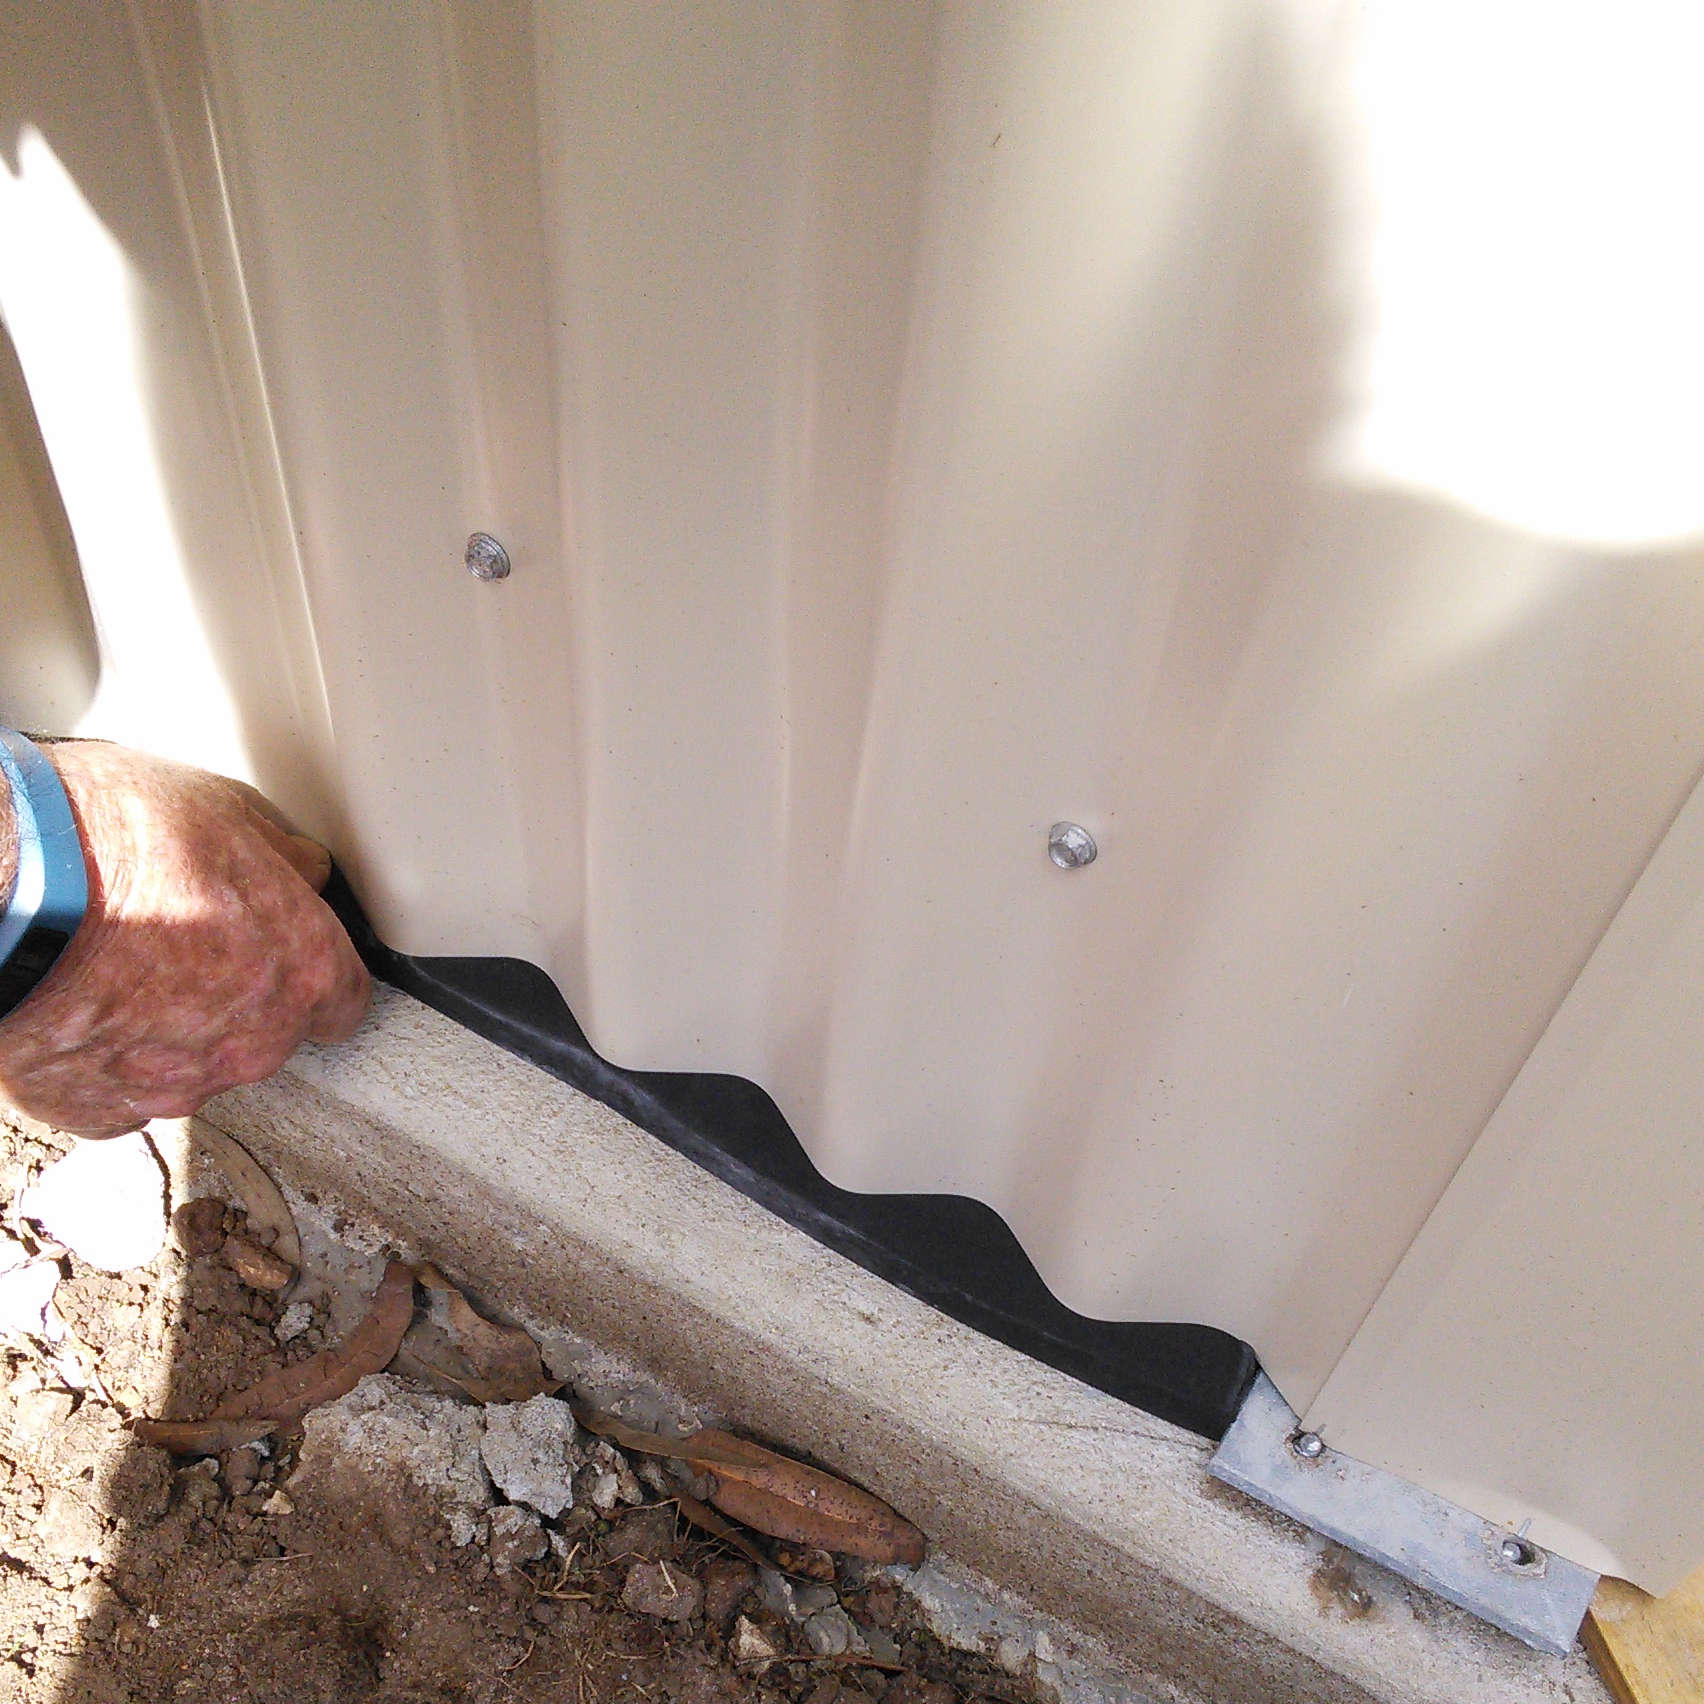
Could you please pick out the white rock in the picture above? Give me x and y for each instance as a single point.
(383, 1428)
(604, 1456)
(531, 1451)
(26, 1294)
(603, 1489)
(294, 1320)
(750, 1644)
(106, 1201)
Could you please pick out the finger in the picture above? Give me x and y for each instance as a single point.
(306, 857)
(257, 802)
(310, 860)
(340, 1013)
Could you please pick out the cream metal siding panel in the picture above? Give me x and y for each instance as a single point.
(912, 425)
(1536, 1352)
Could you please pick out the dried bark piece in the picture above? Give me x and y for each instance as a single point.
(702, 1515)
(778, 1496)
(876, 1535)
(630, 1437)
(264, 1202)
(288, 1393)
(258, 1267)
(200, 1437)
(494, 1363)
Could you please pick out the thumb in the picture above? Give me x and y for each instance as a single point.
(308, 859)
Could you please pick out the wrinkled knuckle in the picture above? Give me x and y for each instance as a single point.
(307, 981)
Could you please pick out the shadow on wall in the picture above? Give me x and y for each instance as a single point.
(49, 657)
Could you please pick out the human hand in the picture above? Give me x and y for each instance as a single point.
(205, 958)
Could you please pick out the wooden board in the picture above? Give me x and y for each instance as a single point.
(1649, 1650)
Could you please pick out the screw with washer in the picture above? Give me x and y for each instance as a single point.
(1518, 1553)
(486, 559)
(1070, 845)
(1310, 1446)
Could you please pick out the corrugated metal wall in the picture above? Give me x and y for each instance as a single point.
(1265, 434)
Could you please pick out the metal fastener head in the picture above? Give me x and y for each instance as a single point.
(1517, 1553)
(1070, 845)
(486, 558)
(1310, 1446)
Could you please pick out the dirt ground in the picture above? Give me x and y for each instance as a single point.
(326, 1565)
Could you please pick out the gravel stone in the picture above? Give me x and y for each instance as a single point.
(778, 1595)
(648, 1534)
(531, 1451)
(662, 1591)
(294, 1320)
(750, 1645)
(600, 1488)
(517, 1536)
(830, 1632)
(807, 1600)
(608, 1459)
(198, 1226)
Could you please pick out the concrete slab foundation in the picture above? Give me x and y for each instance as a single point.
(1100, 1517)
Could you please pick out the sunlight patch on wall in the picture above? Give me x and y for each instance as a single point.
(1531, 264)
(81, 319)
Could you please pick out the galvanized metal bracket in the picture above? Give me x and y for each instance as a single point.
(1496, 1574)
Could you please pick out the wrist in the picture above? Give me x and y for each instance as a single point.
(47, 893)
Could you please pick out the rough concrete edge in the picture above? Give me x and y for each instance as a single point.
(1090, 1511)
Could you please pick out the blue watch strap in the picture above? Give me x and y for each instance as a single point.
(50, 893)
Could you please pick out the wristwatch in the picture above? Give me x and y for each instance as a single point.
(50, 892)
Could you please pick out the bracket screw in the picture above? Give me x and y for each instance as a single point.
(486, 558)
(1310, 1446)
(1070, 845)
